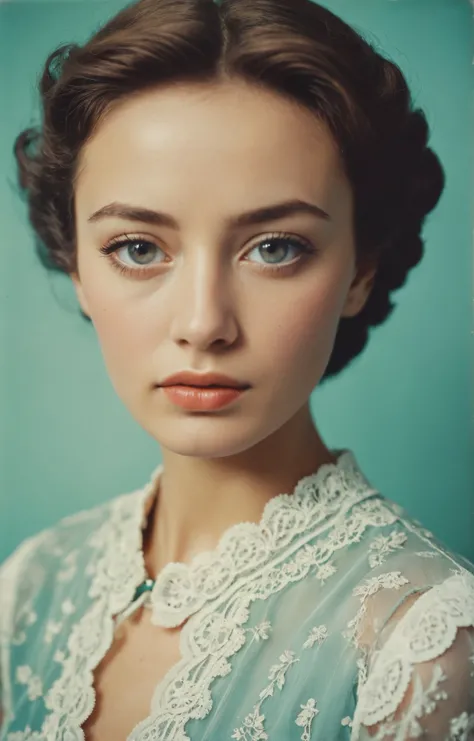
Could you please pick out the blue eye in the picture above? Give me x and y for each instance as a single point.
(275, 245)
(137, 249)
(141, 253)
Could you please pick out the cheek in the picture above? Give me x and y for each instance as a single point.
(124, 341)
(122, 327)
(302, 337)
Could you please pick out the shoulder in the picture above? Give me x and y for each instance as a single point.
(389, 535)
(56, 541)
(379, 529)
(416, 630)
(52, 559)
(398, 558)
(419, 678)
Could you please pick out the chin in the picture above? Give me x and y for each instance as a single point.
(202, 443)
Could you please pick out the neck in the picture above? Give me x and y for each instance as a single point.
(200, 498)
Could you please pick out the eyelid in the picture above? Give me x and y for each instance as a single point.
(116, 242)
(307, 248)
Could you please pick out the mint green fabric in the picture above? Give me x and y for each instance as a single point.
(335, 613)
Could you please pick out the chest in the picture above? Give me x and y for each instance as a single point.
(125, 680)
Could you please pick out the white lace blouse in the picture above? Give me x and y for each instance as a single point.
(336, 618)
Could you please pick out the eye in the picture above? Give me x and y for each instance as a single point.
(276, 245)
(141, 253)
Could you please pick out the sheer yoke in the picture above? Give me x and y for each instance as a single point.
(337, 617)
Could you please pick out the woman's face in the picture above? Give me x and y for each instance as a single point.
(201, 291)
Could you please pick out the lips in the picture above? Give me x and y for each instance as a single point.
(202, 398)
(195, 386)
(203, 380)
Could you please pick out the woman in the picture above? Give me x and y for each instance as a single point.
(235, 190)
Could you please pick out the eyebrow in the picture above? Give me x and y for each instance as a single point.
(249, 218)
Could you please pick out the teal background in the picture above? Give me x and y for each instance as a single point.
(405, 406)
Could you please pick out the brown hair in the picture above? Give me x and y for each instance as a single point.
(294, 47)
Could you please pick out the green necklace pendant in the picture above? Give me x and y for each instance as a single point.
(145, 586)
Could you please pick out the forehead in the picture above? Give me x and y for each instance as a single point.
(221, 138)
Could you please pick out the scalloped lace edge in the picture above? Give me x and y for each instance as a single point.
(455, 592)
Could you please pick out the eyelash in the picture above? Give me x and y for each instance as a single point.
(116, 244)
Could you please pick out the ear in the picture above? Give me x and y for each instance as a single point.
(80, 293)
(360, 290)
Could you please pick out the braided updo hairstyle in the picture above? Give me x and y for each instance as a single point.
(294, 47)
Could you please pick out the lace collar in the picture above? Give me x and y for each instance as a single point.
(251, 561)
(181, 590)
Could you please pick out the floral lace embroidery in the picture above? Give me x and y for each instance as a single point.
(382, 545)
(308, 710)
(253, 729)
(423, 703)
(317, 635)
(390, 580)
(181, 589)
(426, 631)
(214, 634)
(52, 629)
(362, 668)
(24, 675)
(261, 632)
(26, 617)
(176, 698)
(305, 718)
(325, 571)
(253, 726)
(71, 698)
(460, 728)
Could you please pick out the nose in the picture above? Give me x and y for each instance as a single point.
(204, 314)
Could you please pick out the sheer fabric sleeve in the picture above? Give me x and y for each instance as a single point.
(11, 579)
(420, 675)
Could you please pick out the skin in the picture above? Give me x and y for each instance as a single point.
(210, 299)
